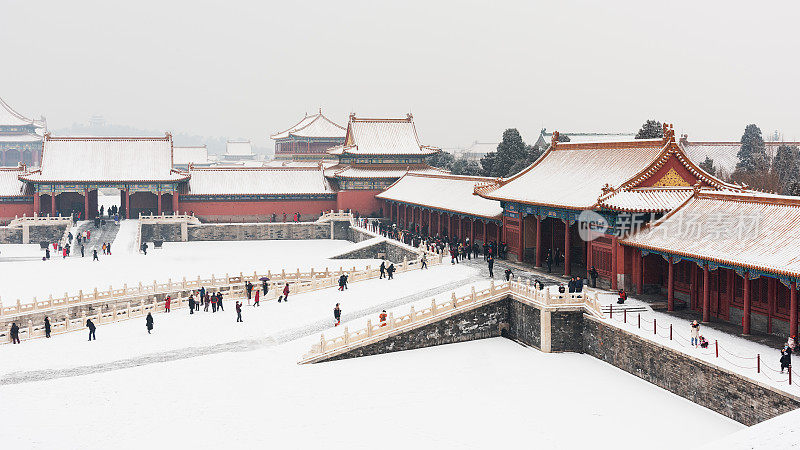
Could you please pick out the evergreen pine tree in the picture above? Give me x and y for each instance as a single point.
(442, 159)
(651, 129)
(752, 156)
(708, 166)
(510, 151)
(786, 168)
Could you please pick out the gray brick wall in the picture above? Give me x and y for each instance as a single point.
(729, 394)
(479, 323)
(567, 331)
(167, 232)
(259, 231)
(525, 326)
(10, 235)
(49, 233)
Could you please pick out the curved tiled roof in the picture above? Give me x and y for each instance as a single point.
(106, 159)
(745, 229)
(455, 193)
(10, 184)
(10, 117)
(258, 181)
(649, 199)
(382, 137)
(314, 126)
(384, 171)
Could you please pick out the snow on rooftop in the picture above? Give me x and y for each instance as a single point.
(9, 117)
(258, 181)
(10, 185)
(106, 159)
(382, 137)
(444, 192)
(314, 126)
(651, 199)
(750, 230)
(378, 172)
(573, 175)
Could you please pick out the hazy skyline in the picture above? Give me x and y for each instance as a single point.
(466, 70)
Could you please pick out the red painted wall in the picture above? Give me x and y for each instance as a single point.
(364, 202)
(256, 211)
(10, 210)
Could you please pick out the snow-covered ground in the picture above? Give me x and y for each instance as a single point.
(34, 277)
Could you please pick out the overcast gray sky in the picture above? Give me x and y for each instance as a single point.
(466, 69)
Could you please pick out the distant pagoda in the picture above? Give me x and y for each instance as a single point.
(309, 139)
(20, 138)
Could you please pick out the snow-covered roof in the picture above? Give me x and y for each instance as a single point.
(10, 185)
(106, 159)
(239, 148)
(291, 163)
(382, 137)
(351, 172)
(9, 117)
(751, 230)
(258, 181)
(646, 199)
(183, 156)
(573, 175)
(447, 192)
(314, 126)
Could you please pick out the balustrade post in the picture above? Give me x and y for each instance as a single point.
(95, 293)
(128, 307)
(80, 295)
(433, 307)
(66, 322)
(491, 286)
(322, 342)
(369, 327)
(155, 286)
(327, 273)
(30, 329)
(405, 263)
(391, 320)
(183, 283)
(472, 294)
(547, 296)
(169, 284)
(346, 335)
(141, 288)
(412, 314)
(453, 298)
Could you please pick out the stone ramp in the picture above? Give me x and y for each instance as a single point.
(105, 233)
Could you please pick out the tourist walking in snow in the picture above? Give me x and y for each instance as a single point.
(14, 333)
(191, 303)
(337, 314)
(578, 284)
(239, 311)
(248, 287)
(108, 247)
(144, 248)
(82, 251)
(382, 269)
(94, 255)
(91, 327)
(342, 282)
(265, 287)
(382, 318)
(257, 302)
(219, 301)
(490, 262)
(786, 358)
(149, 322)
(390, 271)
(167, 303)
(424, 261)
(508, 273)
(622, 296)
(285, 295)
(46, 327)
(695, 333)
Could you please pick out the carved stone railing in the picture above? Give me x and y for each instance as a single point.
(454, 305)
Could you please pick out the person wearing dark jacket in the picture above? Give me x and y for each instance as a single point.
(46, 327)
(285, 295)
(337, 314)
(508, 274)
(94, 255)
(191, 304)
(149, 322)
(239, 311)
(786, 358)
(14, 333)
(490, 261)
(382, 268)
(571, 285)
(593, 276)
(390, 271)
(91, 327)
(264, 287)
(248, 286)
(578, 284)
(342, 282)
(219, 301)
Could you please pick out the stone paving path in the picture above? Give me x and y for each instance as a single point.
(106, 233)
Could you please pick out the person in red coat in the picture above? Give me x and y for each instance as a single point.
(285, 294)
(256, 301)
(167, 303)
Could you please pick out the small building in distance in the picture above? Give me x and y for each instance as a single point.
(309, 139)
(545, 137)
(20, 138)
(724, 154)
(238, 150)
(476, 150)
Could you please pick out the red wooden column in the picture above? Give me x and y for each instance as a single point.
(538, 257)
(706, 294)
(670, 285)
(430, 222)
(484, 225)
(53, 203)
(460, 229)
(567, 269)
(86, 204)
(472, 231)
(499, 239)
(159, 202)
(614, 262)
(175, 201)
(793, 310)
(521, 243)
(37, 203)
(640, 274)
(746, 295)
(439, 224)
(127, 203)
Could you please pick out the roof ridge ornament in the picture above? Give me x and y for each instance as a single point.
(554, 139)
(607, 188)
(669, 132)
